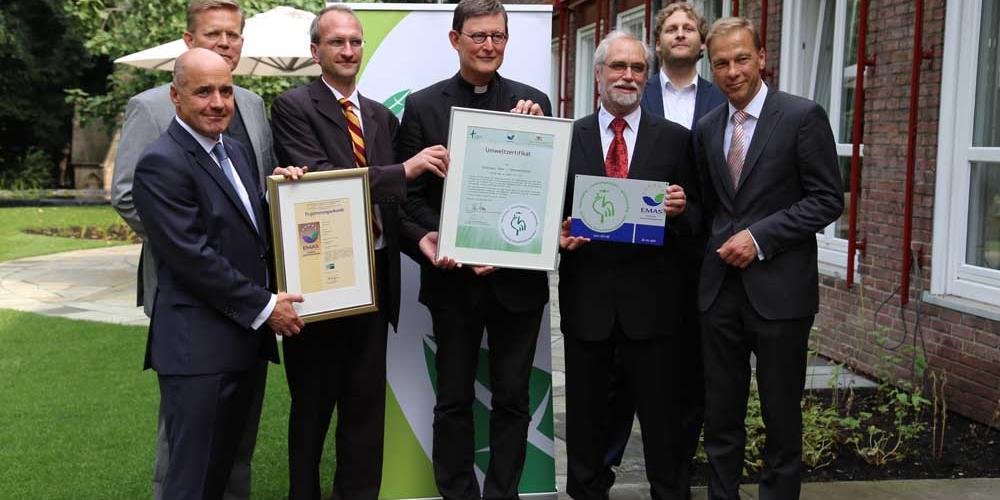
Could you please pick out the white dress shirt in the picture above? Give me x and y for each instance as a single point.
(604, 119)
(749, 125)
(207, 143)
(678, 100)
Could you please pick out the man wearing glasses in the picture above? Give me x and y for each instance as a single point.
(463, 301)
(328, 125)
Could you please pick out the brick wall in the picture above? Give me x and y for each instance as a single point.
(963, 346)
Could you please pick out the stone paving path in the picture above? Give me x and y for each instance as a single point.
(99, 285)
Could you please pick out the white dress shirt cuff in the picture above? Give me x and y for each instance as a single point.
(266, 312)
(760, 254)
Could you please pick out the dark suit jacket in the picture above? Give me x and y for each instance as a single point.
(707, 98)
(641, 285)
(425, 123)
(310, 129)
(790, 188)
(212, 265)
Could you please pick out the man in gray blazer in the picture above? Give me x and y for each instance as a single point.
(216, 25)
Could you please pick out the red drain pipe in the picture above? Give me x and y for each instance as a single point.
(561, 72)
(919, 54)
(646, 14)
(735, 10)
(859, 109)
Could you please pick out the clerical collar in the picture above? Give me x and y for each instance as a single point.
(477, 89)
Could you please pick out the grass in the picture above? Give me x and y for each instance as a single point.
(15, 244)
(79, 415)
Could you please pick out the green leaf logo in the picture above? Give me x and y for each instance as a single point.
(396, 102)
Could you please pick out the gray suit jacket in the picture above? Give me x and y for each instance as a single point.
(146, 118)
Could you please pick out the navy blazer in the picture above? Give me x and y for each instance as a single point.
(790, 188)
(213, 266)
(708, 98)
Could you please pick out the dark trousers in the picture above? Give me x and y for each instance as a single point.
(511, 337)
(338, 363)
(732, 330)
(204, 417)
(238, 487)
(688, 382)
(646, 365)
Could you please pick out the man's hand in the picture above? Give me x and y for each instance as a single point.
(567, 242)
(527, 107)
(283, 319)
(738, 250)
(432, 159)
(428, 246)
(482, 270)
(291, 173)
(676, 201)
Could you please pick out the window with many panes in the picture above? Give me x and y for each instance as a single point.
(966, 251)
(819, 55)
(583, 88)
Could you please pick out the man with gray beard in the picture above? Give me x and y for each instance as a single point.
(625, 297)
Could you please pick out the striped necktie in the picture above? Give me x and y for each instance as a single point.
(354, 127)
(358, 142)
(737, 148)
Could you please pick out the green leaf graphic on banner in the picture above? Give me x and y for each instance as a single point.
(378, 24)
(396, 102)
(406, 469)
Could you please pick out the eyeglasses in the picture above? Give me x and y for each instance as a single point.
(480, 38)
(340, 43)
(620, 67)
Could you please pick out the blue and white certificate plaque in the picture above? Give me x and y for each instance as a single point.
(504, 191)
(621, 210)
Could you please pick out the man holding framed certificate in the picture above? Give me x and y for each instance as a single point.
(327, 125)
(463, 301)
(623, 292)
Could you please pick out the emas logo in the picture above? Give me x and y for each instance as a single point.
(652, 201)
(309, 238)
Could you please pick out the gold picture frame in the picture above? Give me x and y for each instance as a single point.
(323, 242)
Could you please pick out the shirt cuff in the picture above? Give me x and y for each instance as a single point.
(760, 254)
(265, 313)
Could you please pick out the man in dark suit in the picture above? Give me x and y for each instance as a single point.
(605, 299)
(216, 25)
(679, 94)
(508, 303)
(771, 181)
(328, 125)
(206, 222)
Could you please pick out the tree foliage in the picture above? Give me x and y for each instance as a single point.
(40, 55)
(116, 28)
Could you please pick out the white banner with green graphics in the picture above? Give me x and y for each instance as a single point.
(407, 49)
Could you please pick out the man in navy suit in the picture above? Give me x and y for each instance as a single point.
(771, 180)
(213, 316)
(677, 93)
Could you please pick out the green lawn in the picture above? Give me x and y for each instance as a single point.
(15, 244)
(78, 415)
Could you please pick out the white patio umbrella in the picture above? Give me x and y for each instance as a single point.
(276, 43)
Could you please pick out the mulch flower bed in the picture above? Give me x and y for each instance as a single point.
(113, 232)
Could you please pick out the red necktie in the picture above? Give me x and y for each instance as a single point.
(358, 143)
(616, 164)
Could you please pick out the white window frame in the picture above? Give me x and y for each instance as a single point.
(583, 79)
(635, 15)
(555, 81)
(796, 42)
(950, 275)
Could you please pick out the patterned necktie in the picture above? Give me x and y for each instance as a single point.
(358, 142)
(616, 164)
(221, 156)
(737, 148)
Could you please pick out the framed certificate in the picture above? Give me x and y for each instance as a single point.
(503, 195)
(323, 244)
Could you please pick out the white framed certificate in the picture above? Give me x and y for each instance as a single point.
(503, 195)
(323, 242)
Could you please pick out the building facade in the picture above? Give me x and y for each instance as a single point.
(925, 281)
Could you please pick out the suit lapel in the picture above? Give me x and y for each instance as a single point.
(590, 132)
(243, 171)
(770, 115)
(643, 148)
(653, 95)
(717, 158)
(184, 139)
(369, 124)
(700, 98)
(249, 114)
(326, 104)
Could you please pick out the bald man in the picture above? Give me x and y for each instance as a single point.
(213, 318)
